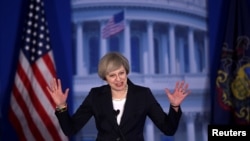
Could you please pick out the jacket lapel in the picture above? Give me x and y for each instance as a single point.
(107, 106)
(129, 104)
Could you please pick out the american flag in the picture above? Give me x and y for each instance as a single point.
(114, 25)
(31, 107)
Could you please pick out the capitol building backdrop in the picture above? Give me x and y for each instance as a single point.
(164, 40)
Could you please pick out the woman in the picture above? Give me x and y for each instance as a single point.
(119, 108)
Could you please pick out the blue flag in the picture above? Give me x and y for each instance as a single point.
(231, 89)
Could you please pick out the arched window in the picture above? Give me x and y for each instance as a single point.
(93, 54)
(135, 54)
(114, 44)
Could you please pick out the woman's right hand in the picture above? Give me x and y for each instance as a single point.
(55, 90)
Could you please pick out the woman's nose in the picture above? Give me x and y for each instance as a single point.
(118, 77)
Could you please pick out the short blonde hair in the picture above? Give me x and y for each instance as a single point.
(110, 62)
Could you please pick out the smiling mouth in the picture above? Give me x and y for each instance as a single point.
(119, 85)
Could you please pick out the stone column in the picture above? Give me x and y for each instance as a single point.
(190, 123)
(192, 62)
(165, 55)
(204, 119)
(103, 41)
(81, 68)
(127, 44)
(151, 47)
(172, 49)
(181, 57)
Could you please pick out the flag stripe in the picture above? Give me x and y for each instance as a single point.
(18, 125)
(42, 82)
(14, 120)
(21, 102)
(48, 59)
(42, 106)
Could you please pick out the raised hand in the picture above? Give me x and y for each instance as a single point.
(181, 91)
(55, 90)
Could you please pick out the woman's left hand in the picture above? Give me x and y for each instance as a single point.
(180, 92)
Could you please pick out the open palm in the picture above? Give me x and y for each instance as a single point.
(181, 91)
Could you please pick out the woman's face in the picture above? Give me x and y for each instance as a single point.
(117, 79)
